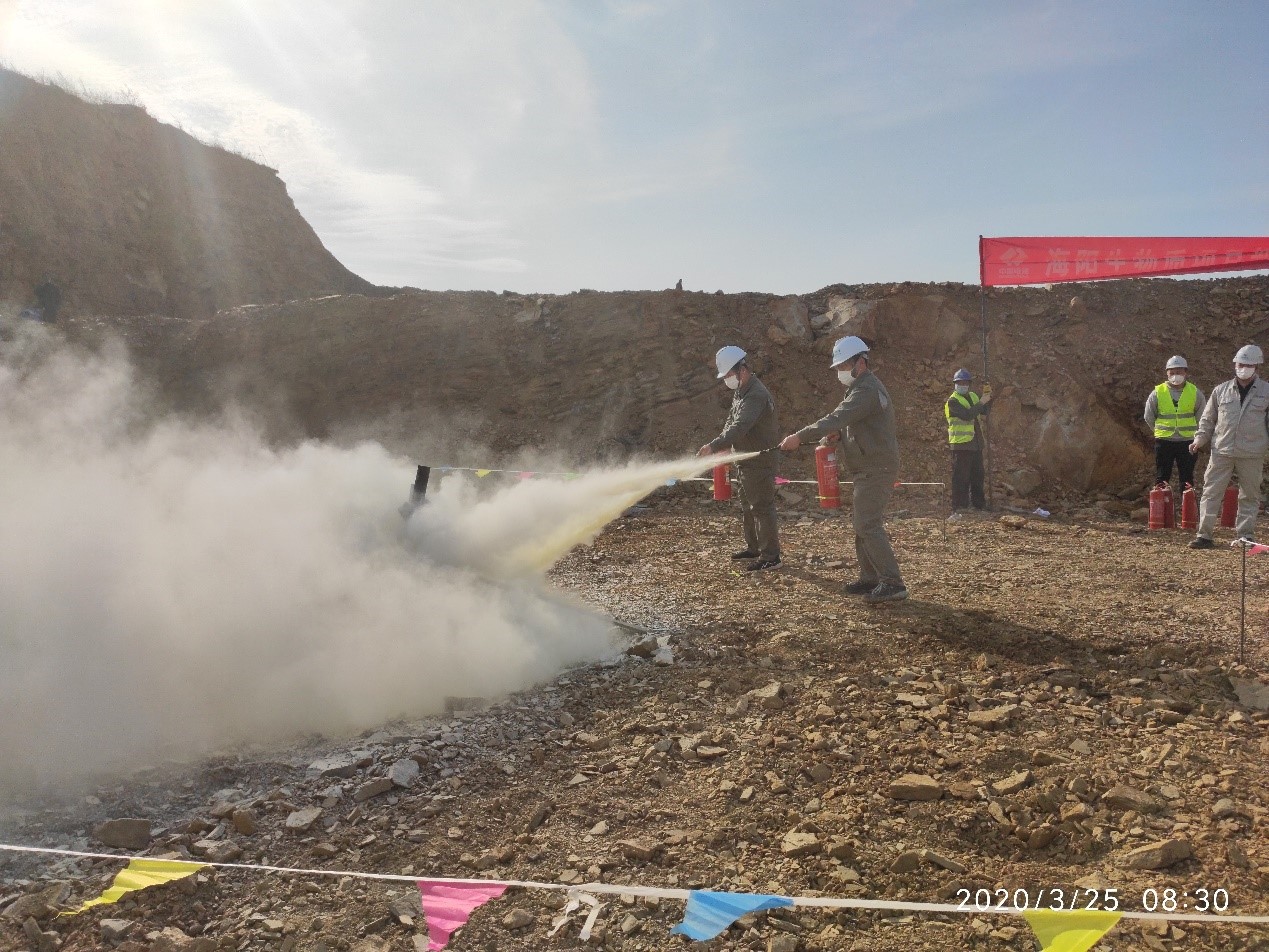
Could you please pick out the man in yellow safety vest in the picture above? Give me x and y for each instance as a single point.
(962, 410)
(1172, 411)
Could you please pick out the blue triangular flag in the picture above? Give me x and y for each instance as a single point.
(671, 482)
(710, 913)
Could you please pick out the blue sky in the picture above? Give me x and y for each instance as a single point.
(549, 145)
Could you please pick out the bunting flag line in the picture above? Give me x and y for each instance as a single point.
(710, 913)
(485, 471)
(140, 874)
(1256, 548)
(448, 905)
(1070, 930)
(781, 481)
(530, 474)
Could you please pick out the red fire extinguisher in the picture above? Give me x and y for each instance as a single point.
(1158, 507)
(1189, 508)
(1229, 506)
(722, 485)
(1169, 508)
(826, 477)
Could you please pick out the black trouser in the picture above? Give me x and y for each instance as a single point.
(967, 479)
(1167, 451)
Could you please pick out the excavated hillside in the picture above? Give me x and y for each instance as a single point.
(480, 378)
(129, 216)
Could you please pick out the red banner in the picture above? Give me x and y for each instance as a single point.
(1050, 260)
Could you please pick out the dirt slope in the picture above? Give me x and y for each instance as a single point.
(475, 378)
(130, 216)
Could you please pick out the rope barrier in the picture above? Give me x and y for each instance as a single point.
(617, 889)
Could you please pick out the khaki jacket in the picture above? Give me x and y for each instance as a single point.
(870, 441)
(1235, 427)
(752, 424)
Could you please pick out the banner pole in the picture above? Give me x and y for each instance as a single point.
(982, 307)
(1242, 613)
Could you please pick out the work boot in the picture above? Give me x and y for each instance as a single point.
(763, 565)
(886, 592)
(859, 588)
(1202, 542)
(744, 554)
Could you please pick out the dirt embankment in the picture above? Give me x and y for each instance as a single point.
(591, 374)
(130, 216)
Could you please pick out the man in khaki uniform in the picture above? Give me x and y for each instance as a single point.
(751, 427)
(870, 452)
(1236, 424)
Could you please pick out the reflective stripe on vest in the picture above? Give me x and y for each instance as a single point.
(960, 431)
(1176, 419)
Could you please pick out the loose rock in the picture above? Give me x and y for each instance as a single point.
(1159, 855)
(914, 787)
(127, 834)
(301, 820)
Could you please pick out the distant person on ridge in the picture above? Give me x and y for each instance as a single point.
(1172, 412)
(751, 427)
(1236, 424)
(870, 452)
(964, 435)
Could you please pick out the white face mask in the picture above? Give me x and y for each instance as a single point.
(1244, 373)
(962, 388)
(1176, 379)
(846, 377)
(732, 382)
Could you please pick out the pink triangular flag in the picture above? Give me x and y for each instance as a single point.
(781, 481)
(1256, 548)
(448, 905)
(527, 475)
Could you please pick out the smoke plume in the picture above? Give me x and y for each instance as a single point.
(167, 587)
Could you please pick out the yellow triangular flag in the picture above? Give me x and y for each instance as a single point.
(483, 472)
(1074, 930)
(140, 874)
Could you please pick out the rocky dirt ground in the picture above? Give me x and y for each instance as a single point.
(1054, 702)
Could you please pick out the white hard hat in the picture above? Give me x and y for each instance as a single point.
(727, 358)
(1177, 363)
(1249, 354)
(848, 348)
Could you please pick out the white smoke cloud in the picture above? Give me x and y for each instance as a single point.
(167, 587)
